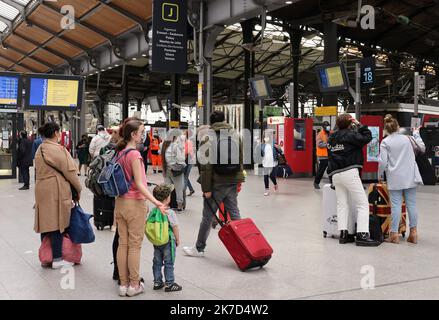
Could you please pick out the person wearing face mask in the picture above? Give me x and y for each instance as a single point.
(57, 175)
(131, 209)
(322, 152)
(99, 141)
(345, 148)
(269, 156)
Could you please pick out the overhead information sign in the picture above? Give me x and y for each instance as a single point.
(169, 38)
(368, 71)
(325, 111)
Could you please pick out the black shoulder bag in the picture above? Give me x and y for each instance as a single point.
(75, 195)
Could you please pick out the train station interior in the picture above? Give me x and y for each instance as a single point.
(290, 68)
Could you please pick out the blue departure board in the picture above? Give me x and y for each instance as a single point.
(9, 92)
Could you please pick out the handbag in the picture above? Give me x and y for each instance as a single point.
(178, 169)
(425, 168)
(70, 252)
(75, 194)
(80, 230)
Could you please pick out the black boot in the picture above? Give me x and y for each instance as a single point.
(364, 240)
(345, 237)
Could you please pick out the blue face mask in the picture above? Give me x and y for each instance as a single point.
(328, 128)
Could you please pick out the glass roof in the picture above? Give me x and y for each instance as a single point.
(9, 12)
(3, 26)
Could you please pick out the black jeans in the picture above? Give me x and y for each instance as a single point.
(272, 176)
(25, 174)
(56, 239)
(323, 165)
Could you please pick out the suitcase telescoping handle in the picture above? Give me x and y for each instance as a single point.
(221, 223)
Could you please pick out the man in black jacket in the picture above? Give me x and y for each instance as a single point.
(345, 162)
(24, 158)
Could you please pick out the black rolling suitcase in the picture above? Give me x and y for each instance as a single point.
(103, 211)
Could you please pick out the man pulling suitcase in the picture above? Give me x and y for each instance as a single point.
(218, 177)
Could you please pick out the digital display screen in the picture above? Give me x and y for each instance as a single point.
(62, 93)
(52, 93)
(260, 88)
(9, 91)
(332, 77)
(155, 104)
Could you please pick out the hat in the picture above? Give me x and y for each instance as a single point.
(162, 191)
(100, 128)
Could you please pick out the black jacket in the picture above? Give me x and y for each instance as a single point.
(346, 149)
(24, 154)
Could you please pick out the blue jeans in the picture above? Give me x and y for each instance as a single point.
(163, 256)
(56, 239)
(410, 201)
(227, 193)
(187, 182)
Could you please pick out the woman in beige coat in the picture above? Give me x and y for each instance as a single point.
(56, 172)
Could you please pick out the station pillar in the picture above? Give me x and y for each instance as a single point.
(330, 55)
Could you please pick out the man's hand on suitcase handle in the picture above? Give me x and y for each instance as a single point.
(207, 195)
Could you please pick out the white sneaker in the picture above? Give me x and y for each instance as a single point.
(193, 252)
(123, 291)
(61, 263)
(266, 193)
(131, 292)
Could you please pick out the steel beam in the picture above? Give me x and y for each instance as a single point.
(228, 12)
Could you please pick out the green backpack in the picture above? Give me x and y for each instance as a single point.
(157, 228)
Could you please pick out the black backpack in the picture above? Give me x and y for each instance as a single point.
(375, 222)
(227, 154)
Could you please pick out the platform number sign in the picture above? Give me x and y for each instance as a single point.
(368, 71)
(168, 38)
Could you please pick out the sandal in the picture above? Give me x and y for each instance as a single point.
(158, 286)
(173, 287)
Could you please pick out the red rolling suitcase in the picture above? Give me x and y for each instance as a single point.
(245, 242)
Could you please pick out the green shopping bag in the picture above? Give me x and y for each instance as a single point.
(157, 228)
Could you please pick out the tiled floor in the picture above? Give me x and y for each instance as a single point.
(304, 265)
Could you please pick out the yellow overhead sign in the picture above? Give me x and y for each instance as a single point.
(325, 111)
(174, 124)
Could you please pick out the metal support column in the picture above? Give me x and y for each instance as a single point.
(125, 97)
(175, 96)
(296, 52)
(330, 55)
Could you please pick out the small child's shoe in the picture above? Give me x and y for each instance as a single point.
(173, 287)
(158, 286)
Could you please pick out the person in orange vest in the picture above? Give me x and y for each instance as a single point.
(322, 152)
(155, 151)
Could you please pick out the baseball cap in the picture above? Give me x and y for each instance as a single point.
(100, 128)
(162, 191)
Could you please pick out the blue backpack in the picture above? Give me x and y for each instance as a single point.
(112, 178)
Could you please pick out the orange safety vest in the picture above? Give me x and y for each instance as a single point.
(322, 152)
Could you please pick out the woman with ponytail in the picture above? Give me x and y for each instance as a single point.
(131, 209)
(397, 160)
